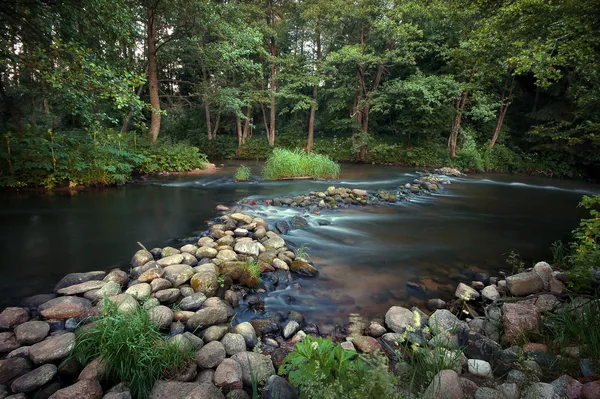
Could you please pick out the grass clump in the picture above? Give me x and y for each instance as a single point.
(284, 164)
(251, 274)
(131, 348)
(242, 173)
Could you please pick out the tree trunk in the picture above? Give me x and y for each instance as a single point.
(246, 130)
(216, 128)
(313, 107)
(208, 123)
(273, 110)
(153, 78)
(460, 107)
(505, 100)
(238, 125)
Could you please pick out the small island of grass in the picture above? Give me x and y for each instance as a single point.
(284, 164)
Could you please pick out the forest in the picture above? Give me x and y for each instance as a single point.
(93, 92)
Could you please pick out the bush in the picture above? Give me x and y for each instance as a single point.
(585, 247)
(288, 164)
(242, 173)
(164, 157)
(131, 348)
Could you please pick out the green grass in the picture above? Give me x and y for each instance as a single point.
(252, 269)
(131, 347)
(242, 173)
(578, 326)
(302, 252)
(283, 164)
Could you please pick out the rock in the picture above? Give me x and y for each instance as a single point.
(251, 248)
(241, 217)
(11, 317)
(262, 367)
(269, 325)
(443, 320)
(480, 368)
(140, 291)
(517, 377)
(205, 376)
(540, 390)
(557, 287)
(519, 320)
(111, 288)
(398, 319)
(81, 287)
(116, 276)
(125, 303)
(278, 264)
(359, 192)
(141, 257)
(366, 344)
(77, 278)
(544, 270)
(466, 293)
(161, 315)
(477, 346)
(172, 389)
(567, 387)
(274, 242)
(94, 370)
(228, 375)
(303, 268)
(19, 352)
(347, 345)
(215, 333)
(86, 389)
(591, 390)
(206, 252)
(151, 274)
(509, 390)
(523, 284)
(488, 393)
(435, 304)
(52, 348)
(34, 379)
(290, 329)
(168, 251)
(31, 332)
(469, 388)
(64, 307)
(210, 355)
(178, 274)
(227, 255)
(159, 284)
(445, 385)
(12, 368)
(206, 283)
(172, 260)
(205, 391)
(208, 316)
(247, 331)
(168, 296)
(34, 301)
(490, 293)
(192, 302)
(375, 330)
(278, 388)
(233, 343)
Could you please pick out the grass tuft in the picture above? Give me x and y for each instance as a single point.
(283, 164)
(242, 173)
(131, 347)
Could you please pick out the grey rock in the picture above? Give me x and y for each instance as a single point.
(77, 278)
(116, 276)
(206, 252)
(247, 331)
(167, 296)
(161, 315)
(480, 368)
(540, 390)
(111, 288)
(140, 291)
(208, 316)
(13, 316)
(178, 274)
(141, 257)
(32, 332)
(206, 283)
(170, 260)
(510, 390)
(519, 320)
(525, 283)
(52, 348)
(125, 303)
(228, 375)
(488, 393)
(466, 293)
(262, 366)
(188, 374)
(12, 368)
(290, 329)
(490, 293)
(34, 301)
(81, 288)
(233, 343)
(442, 321)
(398, 319)
(34, 379)
(251, 248)
(64, 307)
(517, 377)
(215, 333)
(210, 355)
(85, 389)
(445, 385)
(544, 270)
(205, 376)
(192, 302)
(278, 388)
(189, 259)
(19, 352)
(435, 304)
(159, 284)
(205, 391)
(171, 389)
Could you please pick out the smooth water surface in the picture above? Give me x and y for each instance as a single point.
(365, 255)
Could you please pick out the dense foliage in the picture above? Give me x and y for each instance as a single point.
(131, 348)
(478, 84)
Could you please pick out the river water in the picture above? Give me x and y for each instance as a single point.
(365, 255)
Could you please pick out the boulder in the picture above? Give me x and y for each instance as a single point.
(466, 293)
(519, 320)
(12, 368)
(544, 270)
(488, 393)
(94, 370)
(540, 390)
(111, 288)
(247, 331)
(510, 390)
(398, 318)
(241, 217)
(278, 388)
(490, 293)
(77, 278)
(366, 344)
(206, 283)
(443, 320)
(251, 248)
(32, 332)
(178, 274)
(227, 255)
(151, 274)
(205, 391)
(11, 317)
(125, 303)
(116, 276)
(172, 389)
(290, 329)
(85, 389)
(81, 288)
(215, 333)
(52, 348)
(206, 252)
(210, 355)
(34, 379)
(274, 242)
(34, 301)
(303, 268)
(233, 343)
(228, 375)
(176, 259)
(525, 283)
(140, 291)
(161, 315)
(64, 307)
(159, 284)
(262, 367)
(445, 385)
(141, 257)
(480, 368)
(192, 302)
(208, 316)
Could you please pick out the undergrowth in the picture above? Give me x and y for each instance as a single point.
(288, 164)
(242, 173)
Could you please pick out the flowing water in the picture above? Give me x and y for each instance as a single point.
(365, 255)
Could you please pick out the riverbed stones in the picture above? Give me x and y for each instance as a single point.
(278, 388)
(116, 276)
(208, 316)
(303, 268)
(210, 355)
(78, 278)
(519, 320)
(151, 274)
(206, 252)
(228, 375)
(544, 271)
(233, 343)
(443, 320)
(64, 307)
(205, 282)
(241, 217)
(168, 296)
(215, 333)
(540, 390)
(109, 289)
(192, 302)
(398, 318)
(141, 257)
(161, 315)
(490, 293)
(274, 241)
(12, 368)
(140, 291)
(81, 288)
(31, 332)
(251, 248)
(85, 389)
(366, 344)
(170, 260)
(523, 284)
(178, 274)
(290, 329)
(52, 348)
(34, 379)
(262, 367)
(125, 303)
(445, 385)
(480, 368)
(160, 284)
(466, 293)
(13, 316)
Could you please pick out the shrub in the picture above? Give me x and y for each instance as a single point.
(242, 173)
(288, 164)
(585, 247)
(131, 347)
(164, 157)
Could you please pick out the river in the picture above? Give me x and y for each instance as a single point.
(365, 255)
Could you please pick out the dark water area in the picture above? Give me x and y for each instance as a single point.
(365, 255)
